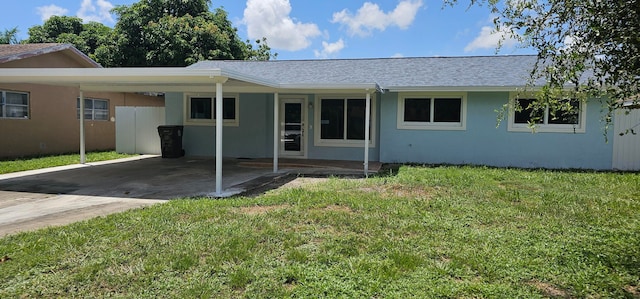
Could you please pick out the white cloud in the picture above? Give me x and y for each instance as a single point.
(370, 17)
(488, 38)
(397, 55)
(98, 12)
(271, 19)
(46, 12)
(330, 49)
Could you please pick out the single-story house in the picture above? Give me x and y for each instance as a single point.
(38, 119)
(392, 110)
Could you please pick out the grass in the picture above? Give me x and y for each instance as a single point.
(58, 160)
(443, 232)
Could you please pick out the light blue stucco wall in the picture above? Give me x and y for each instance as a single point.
(173, 109)
(253, 138)
(481, 143)
(484, 144)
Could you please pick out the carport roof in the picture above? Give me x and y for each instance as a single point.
(163, 79)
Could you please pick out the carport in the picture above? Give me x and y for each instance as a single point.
(164, 80)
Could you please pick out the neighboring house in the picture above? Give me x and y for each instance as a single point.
(421, 110)
(42, 118)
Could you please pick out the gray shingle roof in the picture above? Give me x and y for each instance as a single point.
(434, 72)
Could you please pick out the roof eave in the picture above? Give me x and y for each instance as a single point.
(125, 76)
(453, 88)
(330, 86)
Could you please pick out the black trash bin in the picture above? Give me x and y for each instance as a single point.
(171, 141)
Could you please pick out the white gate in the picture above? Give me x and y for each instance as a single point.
(626, 147)
(137, 129)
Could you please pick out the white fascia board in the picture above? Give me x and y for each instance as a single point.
(453, 88)
(125, 76)
(328, 86)
(98, 75)
(466, 88)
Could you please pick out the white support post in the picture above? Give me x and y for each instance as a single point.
(83, 157)
(276, 131)
(219, 124)
(367, 117)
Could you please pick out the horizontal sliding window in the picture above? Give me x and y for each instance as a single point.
(431, 112)
(526, 116)
(94, 109)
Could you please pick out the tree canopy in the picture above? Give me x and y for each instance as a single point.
(586, 48)
(174, 32)
(9, 36)
(64, 29)
(155, 33)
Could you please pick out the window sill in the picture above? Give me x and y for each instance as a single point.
(343, 143)
(546, 129)
(209, 123)
(432, 127)
(15, 118)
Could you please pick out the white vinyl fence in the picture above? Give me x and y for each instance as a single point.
(137, 129)
(626, 147)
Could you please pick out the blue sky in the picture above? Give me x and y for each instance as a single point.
(316, 29)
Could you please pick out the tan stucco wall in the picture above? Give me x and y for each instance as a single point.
(53, 126)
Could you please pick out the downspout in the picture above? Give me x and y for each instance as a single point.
(276, 131)
(83, 158)
(367, 126)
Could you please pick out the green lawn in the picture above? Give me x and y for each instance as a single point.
(58, 160)
(452, 232)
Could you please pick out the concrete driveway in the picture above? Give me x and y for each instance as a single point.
(61, 195)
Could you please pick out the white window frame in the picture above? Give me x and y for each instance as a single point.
(4, 105)
(210, 122)
(432, 125)
(93, 109)
(545, 127)
(318, 141)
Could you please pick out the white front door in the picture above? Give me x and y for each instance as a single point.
(292, 127)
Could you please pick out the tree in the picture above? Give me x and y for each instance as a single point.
(154, 33)
(261, 52)
(591, 46)
(63, 29)
(9, 36)
(174, 33)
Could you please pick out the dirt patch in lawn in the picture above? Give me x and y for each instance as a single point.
(304, 181)
(258, 210)
(549, 290)
(392, 190)
(337, 208)
(633, 290)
